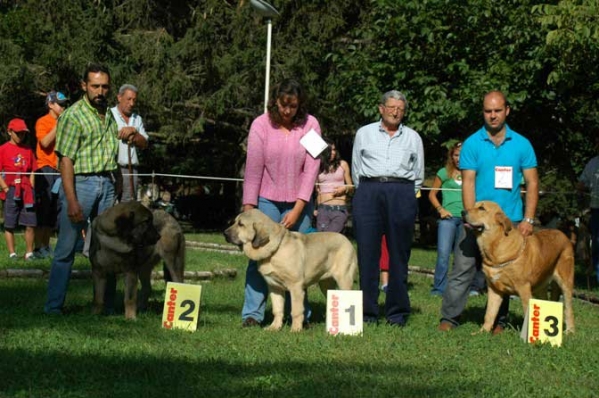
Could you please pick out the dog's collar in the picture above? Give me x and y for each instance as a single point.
(512, 260)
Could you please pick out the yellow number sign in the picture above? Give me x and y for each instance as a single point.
(543, 322)
(181, 306)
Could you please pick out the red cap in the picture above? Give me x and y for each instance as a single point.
(17, 125)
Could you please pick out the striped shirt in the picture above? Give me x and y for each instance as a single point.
(88, 140)
(376, 154)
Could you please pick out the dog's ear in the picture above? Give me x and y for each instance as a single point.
(262, 236)
(504, 221)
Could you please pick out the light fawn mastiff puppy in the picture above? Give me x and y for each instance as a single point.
(516, 265)
(293, 261)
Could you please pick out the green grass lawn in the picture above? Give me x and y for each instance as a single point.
(81, 355)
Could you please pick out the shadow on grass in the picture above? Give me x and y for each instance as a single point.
(58, 374)
(120, 358)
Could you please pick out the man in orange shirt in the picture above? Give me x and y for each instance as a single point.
(47, 173)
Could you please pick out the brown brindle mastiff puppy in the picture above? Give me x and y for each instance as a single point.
(516, 265)
(123, 240)
(293, 261)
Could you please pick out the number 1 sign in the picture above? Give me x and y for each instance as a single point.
(344, 312)
(181, 306)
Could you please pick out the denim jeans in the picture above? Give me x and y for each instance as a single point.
(330, 219)
(95, 194)
(595, 240)
(460, 279)
(447, 240)
(256, 289)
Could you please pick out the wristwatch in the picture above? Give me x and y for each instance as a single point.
(531, 221)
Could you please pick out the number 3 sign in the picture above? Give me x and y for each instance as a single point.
(543, 322)
(181, 306)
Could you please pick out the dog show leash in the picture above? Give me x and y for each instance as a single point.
(132, 188)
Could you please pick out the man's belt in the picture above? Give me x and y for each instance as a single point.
(386, 179)
(333, 207)
(107, 174)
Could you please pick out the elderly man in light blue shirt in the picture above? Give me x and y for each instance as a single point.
(127, 156)
(388, 170)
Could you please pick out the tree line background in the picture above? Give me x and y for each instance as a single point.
(199, 65)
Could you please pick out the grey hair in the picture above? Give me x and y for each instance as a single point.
(126, 87)
(398, 95)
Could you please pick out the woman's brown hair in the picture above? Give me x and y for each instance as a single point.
(288, 87)
(449, 166)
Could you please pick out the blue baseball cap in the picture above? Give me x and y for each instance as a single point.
(56, 97)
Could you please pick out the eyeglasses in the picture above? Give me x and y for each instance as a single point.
(394, 108)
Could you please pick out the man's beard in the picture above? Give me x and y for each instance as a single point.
(100, 102)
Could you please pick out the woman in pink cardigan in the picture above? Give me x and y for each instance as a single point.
(279, 177)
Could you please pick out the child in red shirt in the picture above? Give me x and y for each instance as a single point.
(17, 163)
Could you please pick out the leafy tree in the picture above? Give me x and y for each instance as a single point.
(200, 64)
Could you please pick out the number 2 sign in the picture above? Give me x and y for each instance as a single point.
(181, 306)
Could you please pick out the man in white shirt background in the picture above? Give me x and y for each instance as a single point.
(127, 119)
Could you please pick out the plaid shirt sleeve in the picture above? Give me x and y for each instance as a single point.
(68, 132)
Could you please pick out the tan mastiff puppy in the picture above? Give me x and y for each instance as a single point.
(523, 266)
(293, 261)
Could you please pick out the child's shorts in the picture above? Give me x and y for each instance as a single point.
(15, 213)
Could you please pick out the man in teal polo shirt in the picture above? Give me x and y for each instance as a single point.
(86, 144)
(493, 162)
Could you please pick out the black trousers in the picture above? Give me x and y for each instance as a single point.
(388, 208)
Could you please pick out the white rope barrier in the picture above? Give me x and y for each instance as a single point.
(229, 179)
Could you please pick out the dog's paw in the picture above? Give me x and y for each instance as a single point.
(274, 327)
(482, 330)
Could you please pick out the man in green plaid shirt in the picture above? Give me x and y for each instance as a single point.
(86, 143)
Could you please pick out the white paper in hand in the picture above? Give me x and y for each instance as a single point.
(313, 143)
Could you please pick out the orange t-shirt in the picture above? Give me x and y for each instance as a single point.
(45, 156)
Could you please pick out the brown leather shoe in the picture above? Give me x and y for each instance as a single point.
(498, 329)
(446, 327)
(249, 322)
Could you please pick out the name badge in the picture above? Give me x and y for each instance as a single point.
(503, 177)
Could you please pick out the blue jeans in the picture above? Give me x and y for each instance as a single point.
(447, 240)
(595, 240)
(256, 289)
(95, 194)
